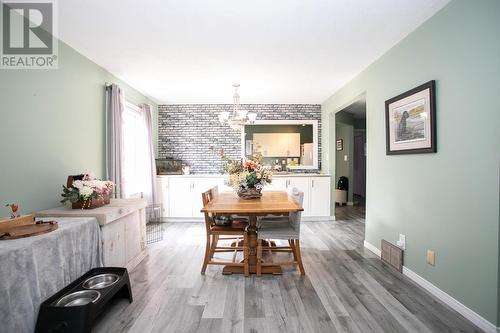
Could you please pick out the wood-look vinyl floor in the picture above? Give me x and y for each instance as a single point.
(346, 289)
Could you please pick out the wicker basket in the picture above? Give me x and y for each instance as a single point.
(248, 194)
(88, 204)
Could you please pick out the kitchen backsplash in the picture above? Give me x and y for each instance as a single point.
(192, 132)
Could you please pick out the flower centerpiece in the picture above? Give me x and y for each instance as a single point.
(86, 191)
(247, 177)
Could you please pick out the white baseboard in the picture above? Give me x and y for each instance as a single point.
(372, 248)
(469, 314)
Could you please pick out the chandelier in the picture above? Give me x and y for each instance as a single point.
(238, 118)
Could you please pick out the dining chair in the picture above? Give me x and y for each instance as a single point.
(215, 233)
(285, 228)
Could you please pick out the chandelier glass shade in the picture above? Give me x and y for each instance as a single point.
(238, 117)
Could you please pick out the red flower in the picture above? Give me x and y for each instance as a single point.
(250, 164)
(13, 207)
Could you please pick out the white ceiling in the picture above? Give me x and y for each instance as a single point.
(280, 51)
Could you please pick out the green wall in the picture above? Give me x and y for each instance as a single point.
(52, 125)
(344, 129)
(447, 201)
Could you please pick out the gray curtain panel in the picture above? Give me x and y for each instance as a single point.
(114, 142)
(148, 117)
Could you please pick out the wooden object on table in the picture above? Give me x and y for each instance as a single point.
(24, 226)
(214, 232)
(270, 203)
(28, 230)
(123, 226)
(18, 221)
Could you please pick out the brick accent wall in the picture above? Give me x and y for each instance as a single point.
(193, 134)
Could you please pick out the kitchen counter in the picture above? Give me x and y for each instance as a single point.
(291, 174)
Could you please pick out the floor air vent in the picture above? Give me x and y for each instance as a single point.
(392, 255)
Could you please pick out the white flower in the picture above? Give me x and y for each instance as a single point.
(86, 192)
(78, 184)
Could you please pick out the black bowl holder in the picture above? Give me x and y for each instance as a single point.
(76, 319)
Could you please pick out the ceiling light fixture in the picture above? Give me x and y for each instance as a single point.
(238, 118)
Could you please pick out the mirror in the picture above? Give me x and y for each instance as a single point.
(284, 144)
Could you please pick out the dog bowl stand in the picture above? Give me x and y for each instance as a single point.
(80, 318)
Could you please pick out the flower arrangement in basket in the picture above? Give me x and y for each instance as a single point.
(247, 177)
(86, 191)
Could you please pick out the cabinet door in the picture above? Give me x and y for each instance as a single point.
(278, 184)
(180, 197)
(263, 144)
(304, 185)
(320, 196)
(200, 185)
(162, 189)
(133, 235)
(293, 144)
(113, 240)
(224, 185)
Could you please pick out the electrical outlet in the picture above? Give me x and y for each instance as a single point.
(345, 158)
(401, 242)
(431, 257)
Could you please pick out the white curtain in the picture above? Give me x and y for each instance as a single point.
(151, 162)
(114, 136)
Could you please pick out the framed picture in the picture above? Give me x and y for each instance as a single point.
(410, 121)
(340, 144)
(168, 167)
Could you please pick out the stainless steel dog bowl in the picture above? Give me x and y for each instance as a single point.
(79, 298)
(100, 281)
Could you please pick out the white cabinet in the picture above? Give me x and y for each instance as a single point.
(316, 192)
(182, 194)
(180, 197)
(201, 185)
(304, 185)
(224, 185)
(277, 144)
(320, 196)
(123, 228)
(278, 184)
(184, 199)
(162, 194)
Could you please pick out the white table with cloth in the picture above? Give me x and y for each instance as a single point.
(34, 268)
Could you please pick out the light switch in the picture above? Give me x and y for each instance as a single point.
(345, 158)
(430, 257)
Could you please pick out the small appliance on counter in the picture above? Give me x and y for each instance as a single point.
(74, 308)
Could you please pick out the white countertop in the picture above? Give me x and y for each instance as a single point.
(292, 174)
(104, 215)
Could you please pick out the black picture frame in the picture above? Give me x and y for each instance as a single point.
(418, 146)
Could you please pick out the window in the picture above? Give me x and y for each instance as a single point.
(136, 169)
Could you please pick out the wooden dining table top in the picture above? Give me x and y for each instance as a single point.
(270, 202)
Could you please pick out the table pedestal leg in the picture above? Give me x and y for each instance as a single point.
(252, 261)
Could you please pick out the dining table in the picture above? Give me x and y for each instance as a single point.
(270, 203)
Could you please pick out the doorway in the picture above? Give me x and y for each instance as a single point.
(350, 160)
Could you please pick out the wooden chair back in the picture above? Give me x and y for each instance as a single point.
(207, 197)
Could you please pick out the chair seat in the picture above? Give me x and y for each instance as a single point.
(277, 230)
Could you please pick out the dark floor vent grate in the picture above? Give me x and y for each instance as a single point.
(392, 255)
